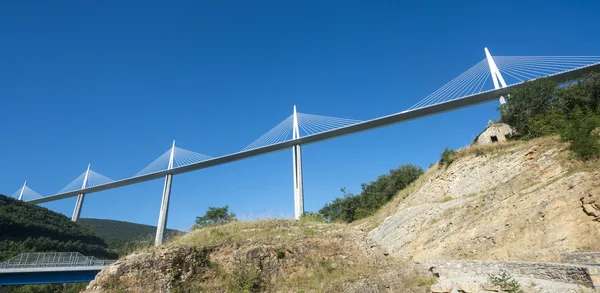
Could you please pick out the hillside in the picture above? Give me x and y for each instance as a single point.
(263, 256)
(30, 228)
(524, 200)
(112, 229)
(515, 201)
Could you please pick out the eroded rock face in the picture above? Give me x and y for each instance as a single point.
(157, 270)
(514, 204)
(591, 204)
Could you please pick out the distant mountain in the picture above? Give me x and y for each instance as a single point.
(30, 228)
(121, 230)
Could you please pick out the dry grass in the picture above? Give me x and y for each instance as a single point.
(296, 256)
(509, 147)
(271, 232)
(446, 198)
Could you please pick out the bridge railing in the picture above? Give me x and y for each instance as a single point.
(52, 259)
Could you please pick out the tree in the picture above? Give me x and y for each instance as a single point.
(535, 99)
(585, 94)
(215, 216)
(542, 108)
(374, 195)
(582, 131)
(447, 157)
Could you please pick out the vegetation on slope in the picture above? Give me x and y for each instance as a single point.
(264, 256)
(373, 196)
(544, 108)
(48, 288)
(30, 228)
(214, 217)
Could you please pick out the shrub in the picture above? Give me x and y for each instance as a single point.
(312, 217)
(506, 282)
(373, 196)
(280, 253)
(536, 98)
(542, 108)
(245, 278)
(447, 157)
(214, 217)
(581, 131)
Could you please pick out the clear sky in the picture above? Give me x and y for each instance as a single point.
(112, 83)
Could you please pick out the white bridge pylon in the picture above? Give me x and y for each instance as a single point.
(87, 179)
(505, 71)
(299, 124)
(173, 158)
(496, 75)
(25, 193)
(291, 128)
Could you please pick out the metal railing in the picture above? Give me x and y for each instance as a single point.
(52, 259)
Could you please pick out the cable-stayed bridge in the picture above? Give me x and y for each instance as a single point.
(470, 88)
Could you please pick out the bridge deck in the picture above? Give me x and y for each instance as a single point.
(404, 116)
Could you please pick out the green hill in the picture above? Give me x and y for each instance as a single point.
(29, 228)
(121, 230)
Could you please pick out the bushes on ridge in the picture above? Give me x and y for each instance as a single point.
(447, 157)
(215, 216)
(374, 195)
(542, 108)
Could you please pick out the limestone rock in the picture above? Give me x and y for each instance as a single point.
(151, 271)
(468, 287)
(441, 288)
(518, 202)
(591, 203)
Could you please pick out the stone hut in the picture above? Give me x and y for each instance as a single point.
(497, 132)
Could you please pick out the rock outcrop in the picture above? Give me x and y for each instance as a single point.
(591, 204)
(524, 201)
(157, 270)
(264, 256)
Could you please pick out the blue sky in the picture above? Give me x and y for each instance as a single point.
(112, 83)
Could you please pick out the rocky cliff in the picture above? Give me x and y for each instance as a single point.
(516, 201)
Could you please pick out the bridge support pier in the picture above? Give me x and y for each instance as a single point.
(298, 184)
(78, 205)
(164, 211)
(164, 206)
(297, 162)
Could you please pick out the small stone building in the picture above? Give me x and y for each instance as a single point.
(497, 132)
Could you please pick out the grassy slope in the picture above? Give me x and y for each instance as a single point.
(273, 256)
